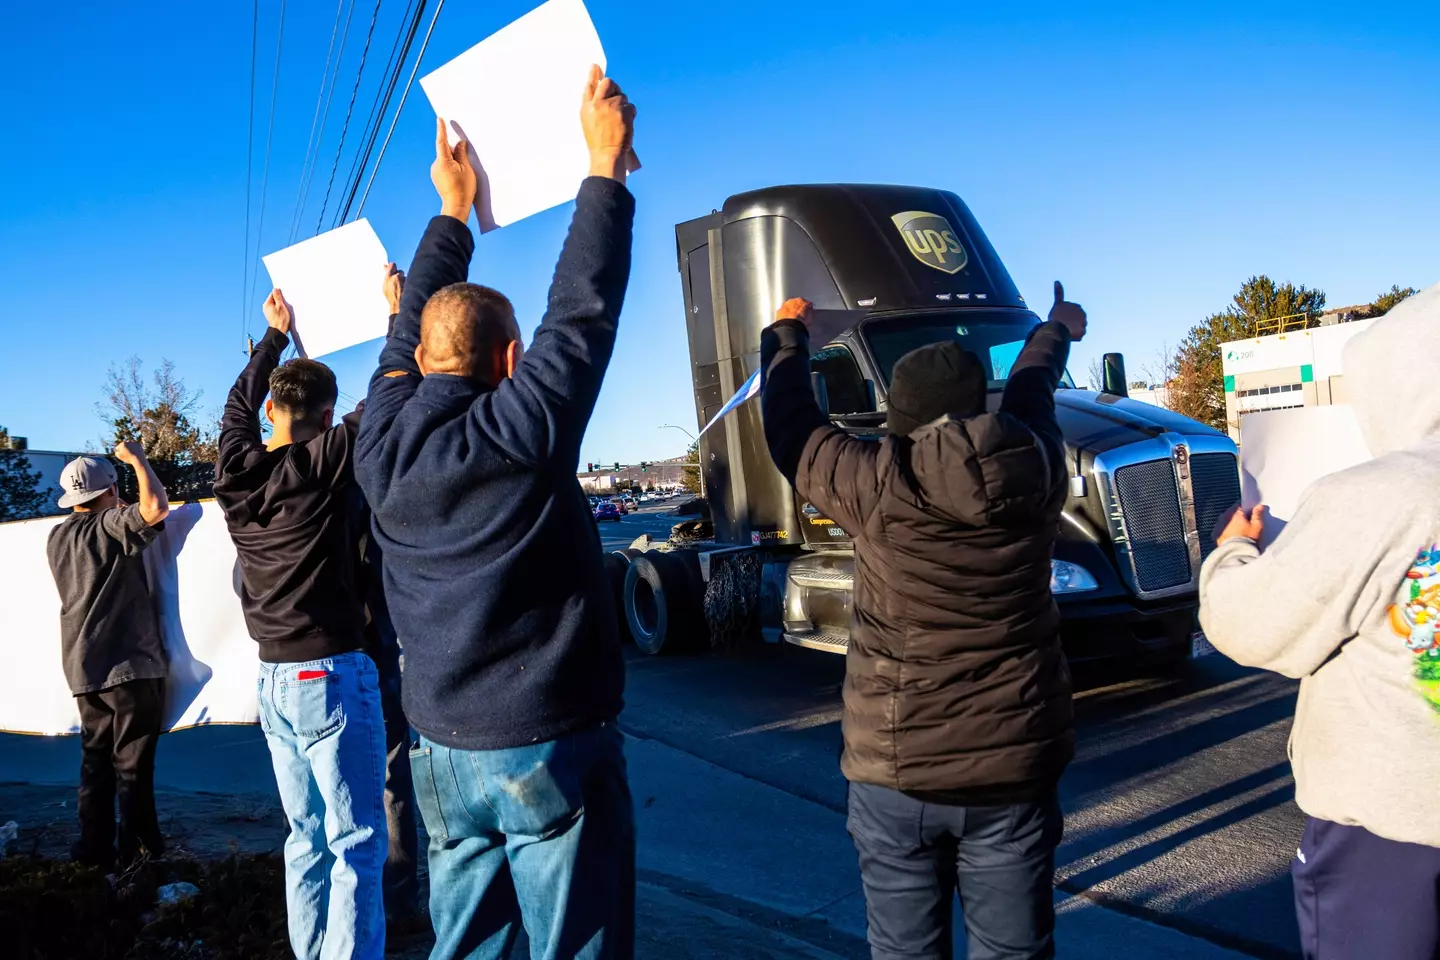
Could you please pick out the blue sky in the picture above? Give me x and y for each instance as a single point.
(1151, 158)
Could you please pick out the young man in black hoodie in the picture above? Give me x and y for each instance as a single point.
(289, 506)
(957, 719)
(513, 669)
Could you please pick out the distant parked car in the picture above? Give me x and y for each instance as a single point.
(606, 510)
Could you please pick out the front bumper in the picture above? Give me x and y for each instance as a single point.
(1111, 629)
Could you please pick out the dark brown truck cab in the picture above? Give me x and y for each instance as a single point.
(890, 268)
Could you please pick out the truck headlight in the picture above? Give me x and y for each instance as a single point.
(1067, 577)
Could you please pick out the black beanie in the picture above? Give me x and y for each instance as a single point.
(935, 380)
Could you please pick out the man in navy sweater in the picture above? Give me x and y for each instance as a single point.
(493, 576)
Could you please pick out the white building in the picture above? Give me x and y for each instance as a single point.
(1298, 368)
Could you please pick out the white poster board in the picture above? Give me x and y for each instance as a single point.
(213, 661)
(1282, 452)
(515, 96)
(335, 285)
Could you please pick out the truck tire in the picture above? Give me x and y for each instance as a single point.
(616, 566)
(629, 553)
(662, 605)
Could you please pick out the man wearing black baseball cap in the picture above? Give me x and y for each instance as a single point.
(112, 650)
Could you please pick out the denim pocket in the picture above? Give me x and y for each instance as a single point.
(536, 791)
(427, 798)
(262, 708)
(314, 707)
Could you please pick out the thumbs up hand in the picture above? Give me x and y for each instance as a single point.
(1072, 315)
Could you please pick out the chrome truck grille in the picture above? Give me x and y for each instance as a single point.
(1162, 499)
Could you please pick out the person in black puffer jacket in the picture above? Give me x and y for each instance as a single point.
(958, 719)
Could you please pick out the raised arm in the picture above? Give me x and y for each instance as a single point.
(240, 423)
(442, 258)
(827, 466)
(540, 412)
(1030, 390)
(154, 504)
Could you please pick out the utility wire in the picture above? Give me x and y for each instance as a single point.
(249, 156)
(362, 157)
(396, 118)
(315, 119)
(359, 75)
(269, 137)
(388, 78)
(324, 119)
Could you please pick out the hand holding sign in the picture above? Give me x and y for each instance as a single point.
(1239, 522)
(278, 313)
(452, 175)
(1072, 315)
(796, 308)
(394, 286)
(608, 118)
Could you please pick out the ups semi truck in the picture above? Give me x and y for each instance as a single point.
(889, 269)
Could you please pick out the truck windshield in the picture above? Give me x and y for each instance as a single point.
(993, 336)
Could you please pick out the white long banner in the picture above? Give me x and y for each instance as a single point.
(213, 661)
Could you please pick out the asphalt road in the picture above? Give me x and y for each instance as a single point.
(1179, 804)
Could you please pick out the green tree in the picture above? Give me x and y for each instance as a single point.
(691, 479)
(21, 493)
(1198, 387)
(1388, 300)
(161, 415)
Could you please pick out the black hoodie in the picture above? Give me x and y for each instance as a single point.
(289, 512)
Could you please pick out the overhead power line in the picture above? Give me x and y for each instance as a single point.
(269, 137)
(388, 77)
(359, 75)
(419, 58)
(315, 119)
(325, 117)
(249, 156)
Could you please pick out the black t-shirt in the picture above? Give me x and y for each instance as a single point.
(109, 633)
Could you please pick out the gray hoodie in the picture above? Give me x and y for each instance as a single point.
(1347, 599)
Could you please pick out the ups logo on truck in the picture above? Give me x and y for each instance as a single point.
(932, 240)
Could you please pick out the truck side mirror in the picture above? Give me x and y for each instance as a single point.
(1115, 382)
(821, 391)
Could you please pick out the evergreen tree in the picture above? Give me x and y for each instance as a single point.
(21, 494)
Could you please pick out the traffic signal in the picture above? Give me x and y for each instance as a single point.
(589, 468)
(644, 466)
(617, 466)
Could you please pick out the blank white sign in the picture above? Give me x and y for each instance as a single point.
(1282, 452)
(335, 284)
(516, 97)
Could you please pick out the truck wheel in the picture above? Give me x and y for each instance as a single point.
(616, 566)
(629, 553)
(661, 605)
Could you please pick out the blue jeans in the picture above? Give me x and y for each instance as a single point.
(542, 835)
(327, 743)
(916, 856)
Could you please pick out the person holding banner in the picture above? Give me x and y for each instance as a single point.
(288, 504)
(958, 719)
(513, 667)
(1346, 599)
(113, 652)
